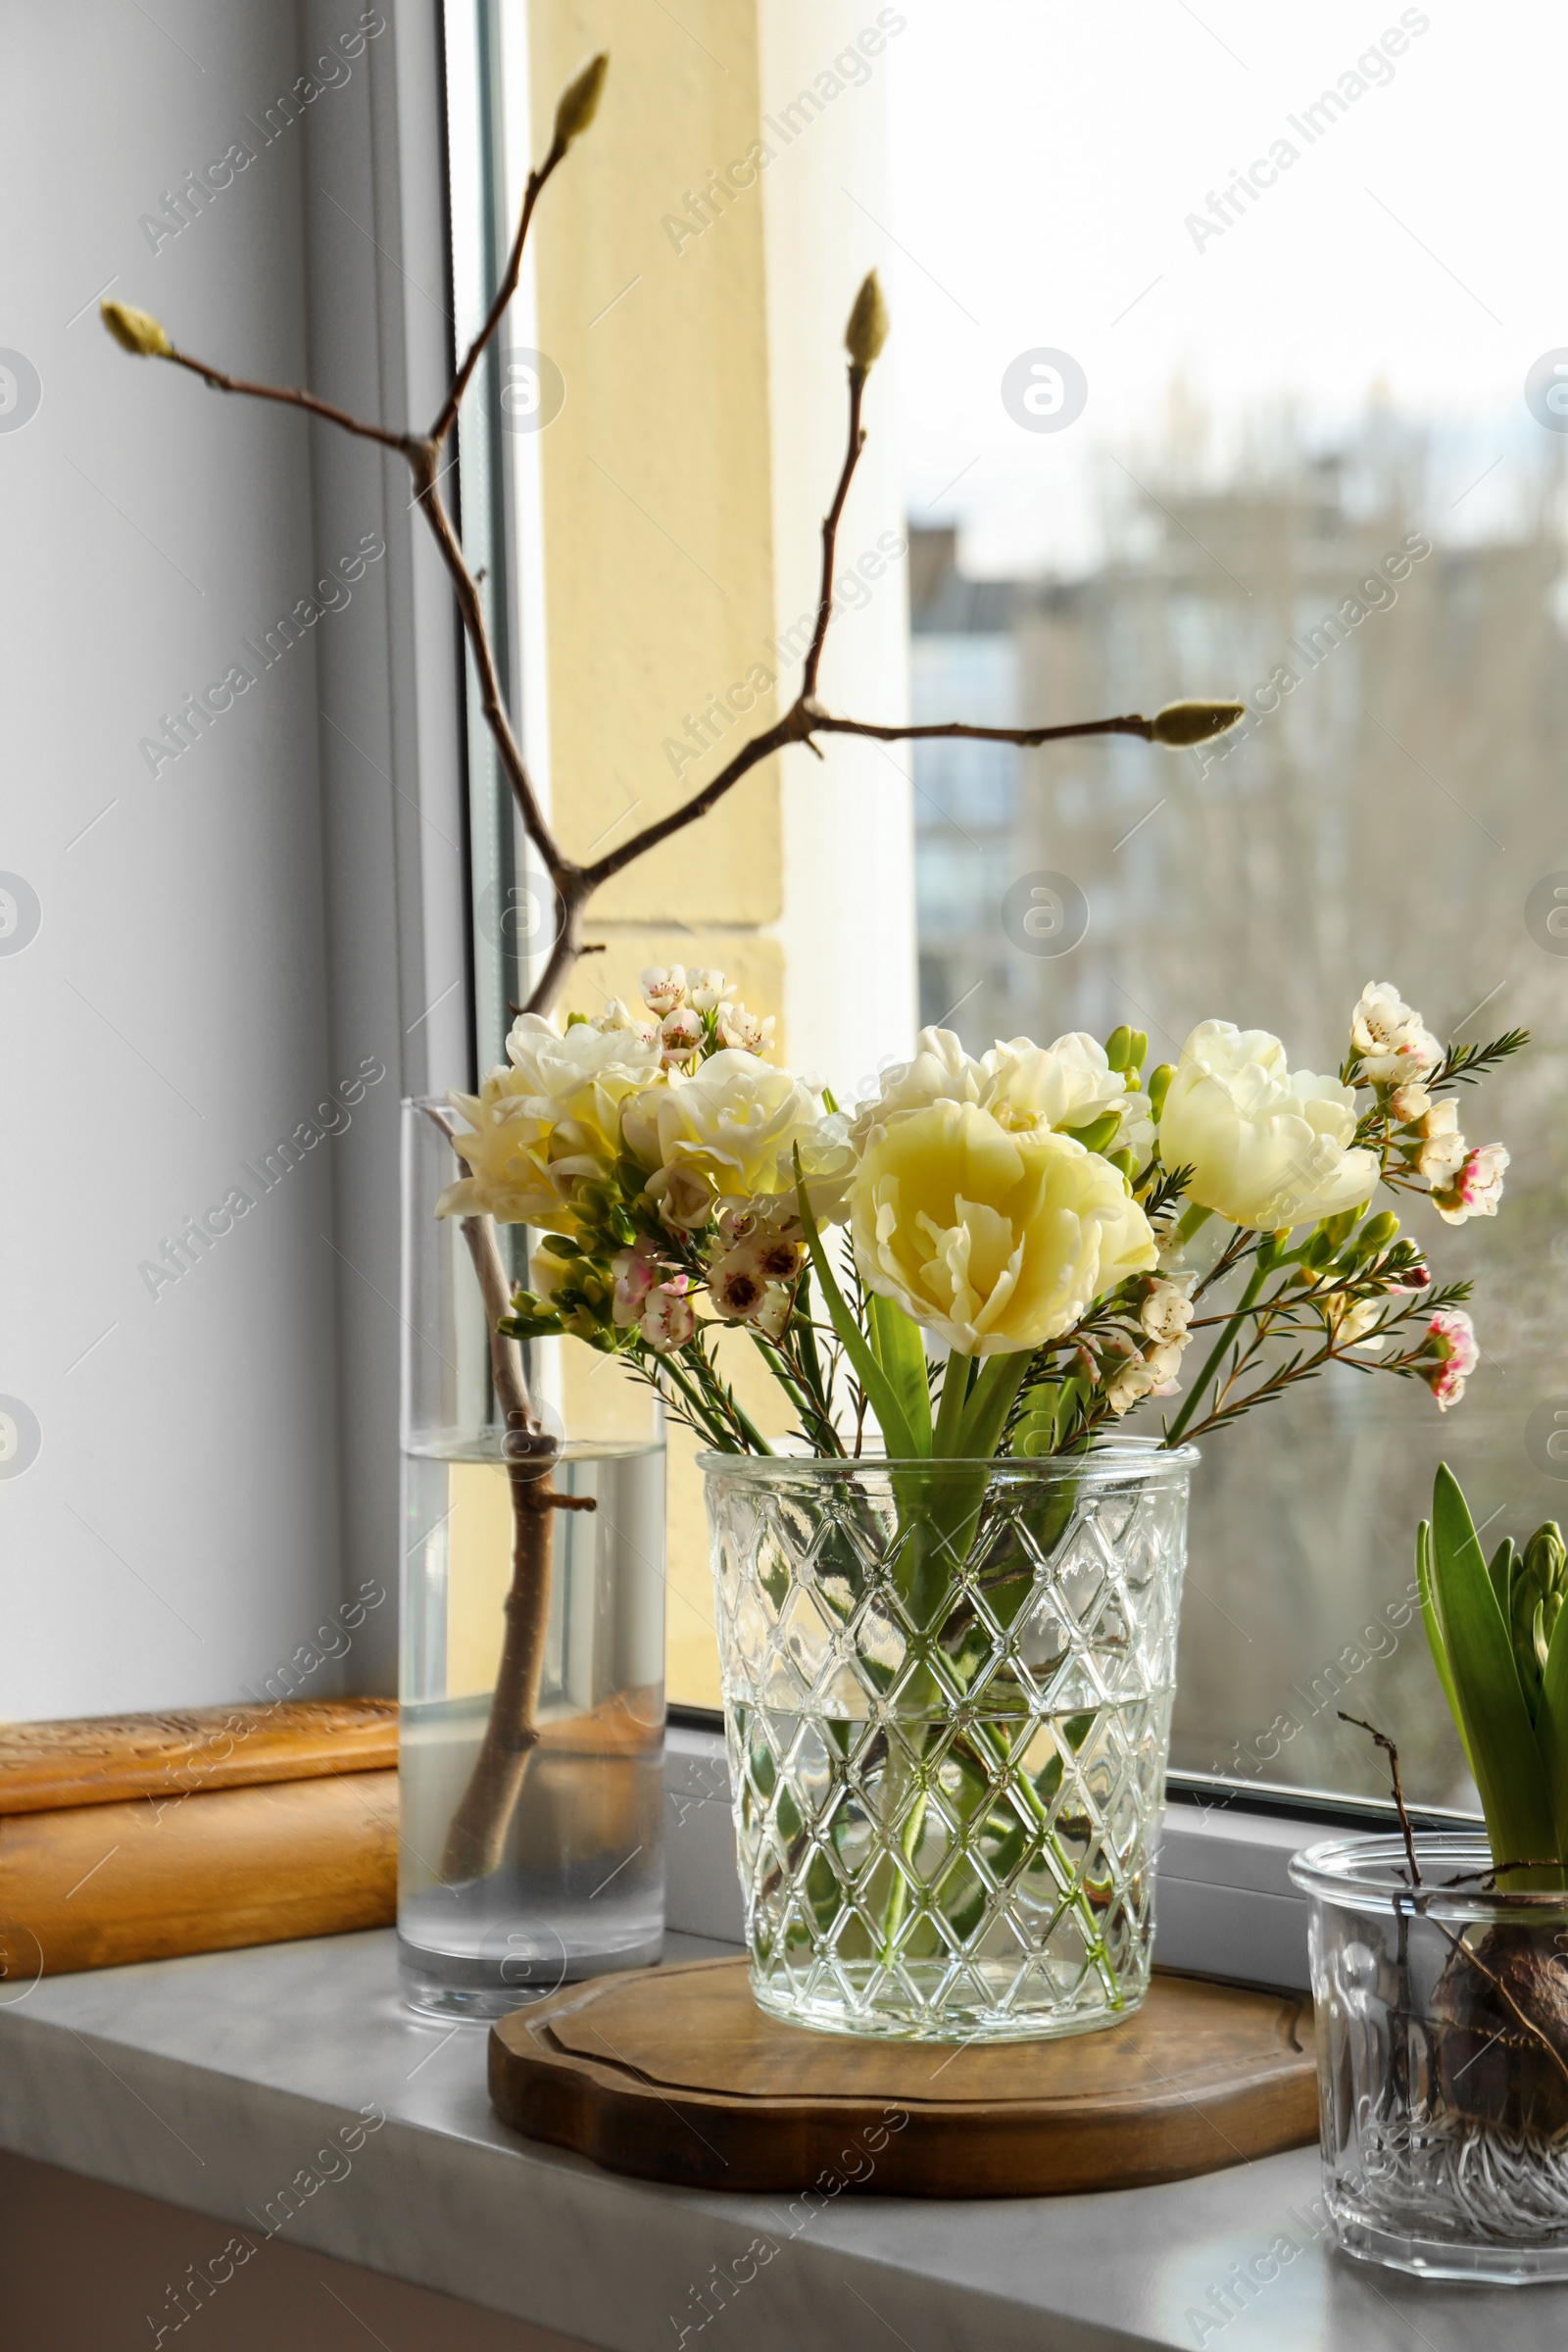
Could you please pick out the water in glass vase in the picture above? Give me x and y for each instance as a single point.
(565, 1809)
(981, 1872)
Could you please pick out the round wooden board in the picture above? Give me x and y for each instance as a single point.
(674, 2073)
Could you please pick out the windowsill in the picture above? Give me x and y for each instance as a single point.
(210, 2081)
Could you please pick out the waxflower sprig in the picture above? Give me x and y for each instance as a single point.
(1011, 1250)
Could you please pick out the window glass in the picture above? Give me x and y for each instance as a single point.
(1227, 363)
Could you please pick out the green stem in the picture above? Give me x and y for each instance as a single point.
(1190, 1402)
(949, 1413)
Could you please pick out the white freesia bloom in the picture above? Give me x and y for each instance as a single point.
(730, 1130)
(941, 1072)
(993, 1241)
(1024, 1086)
(1069, 1084)
(1267, 1150)
(1393, 1042)
(549, 1118)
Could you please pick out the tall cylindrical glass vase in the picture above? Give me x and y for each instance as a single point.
(532, 1639)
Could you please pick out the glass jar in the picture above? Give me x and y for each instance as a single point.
(1442, 2058)
(532, 1636)
(948, 1691)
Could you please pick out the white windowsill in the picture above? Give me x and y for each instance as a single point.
(210, 2081)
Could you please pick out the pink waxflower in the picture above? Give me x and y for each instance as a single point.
(1476, 1187)
(636, 1274)
(668, 1320)
(664, 987)
(682, 1035)
(1451, 1353)
(744, 1030)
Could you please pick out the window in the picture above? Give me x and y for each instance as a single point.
(1310, 469)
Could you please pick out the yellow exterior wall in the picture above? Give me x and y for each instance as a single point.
(657, 498)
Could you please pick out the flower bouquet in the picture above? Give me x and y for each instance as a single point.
(947, 1598)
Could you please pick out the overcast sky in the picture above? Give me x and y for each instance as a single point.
(1047, 158)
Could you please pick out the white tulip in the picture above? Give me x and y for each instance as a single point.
(1268, 1149)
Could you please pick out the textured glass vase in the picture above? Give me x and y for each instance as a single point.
(1441, 2057)
(948, 1691)
(531, 1739)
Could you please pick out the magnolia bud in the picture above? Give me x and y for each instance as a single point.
(136, 331)
(1184, 723)
(867, 329)
(1119, 1048)
(580, 101)
(1159, 1085)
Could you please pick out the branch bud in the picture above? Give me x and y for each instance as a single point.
(136, 331)
(867, 329)
(580, 101)
(1182, 724)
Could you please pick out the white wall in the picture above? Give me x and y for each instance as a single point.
(184, 1526)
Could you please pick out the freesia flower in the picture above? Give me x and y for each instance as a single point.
(1475, 1188)
(1393, 1042)
(941, 1072)
(1452, 1354)
(1268, 1149)
(548, 1120)
(993, 1241)
(1070, 1084)
(730, 1129)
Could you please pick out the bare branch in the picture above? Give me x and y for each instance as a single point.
(830, 532)
(791, 728)
(503, 297)
(425, 459)
(822, 723)
(220, 382)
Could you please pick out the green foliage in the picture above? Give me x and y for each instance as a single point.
(1514, 1727)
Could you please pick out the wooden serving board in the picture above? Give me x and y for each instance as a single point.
(674, 2073)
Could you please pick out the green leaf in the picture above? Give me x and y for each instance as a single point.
(1499, 1570)
(1429, 1618)
(901, 1352)
(1498, 1733)
(897, 1435)
(1551, 1731)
